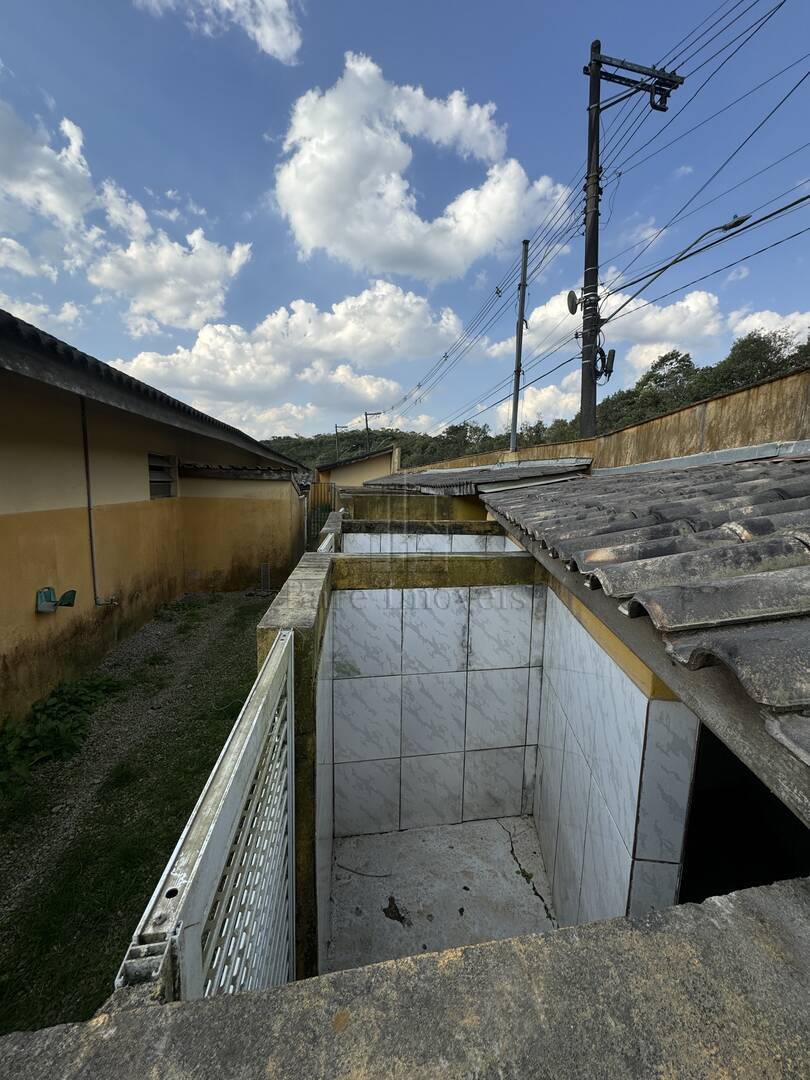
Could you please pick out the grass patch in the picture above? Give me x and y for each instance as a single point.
(62, 948)
(53, 731)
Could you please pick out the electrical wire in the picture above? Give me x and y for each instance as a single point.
(713, 273)
(737, 149)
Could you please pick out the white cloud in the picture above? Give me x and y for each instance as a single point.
(124, 213)
(745, 321)
(342, 187)
(15, 256)
(301, 351)
(271, 24)
(36, 311)
(544, 403)
(168, 215)
(640, 358)
(369, 389)
(683, 170)
(54, 183)
(690, 321)
(262, 422)
(168, 283)
(739, 273)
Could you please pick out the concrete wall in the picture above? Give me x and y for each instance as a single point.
(147, 551)
(773, 411)
(378, 506)
(358, 472)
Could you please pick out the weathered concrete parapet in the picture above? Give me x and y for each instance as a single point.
(699, 991)
(302, 606)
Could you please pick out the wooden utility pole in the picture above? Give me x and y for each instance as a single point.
(521, 321)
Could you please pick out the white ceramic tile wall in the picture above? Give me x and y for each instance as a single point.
(463, 734)
(666, 778)
(437, 543)
(612, 783)
(654, 885)
(605, 708)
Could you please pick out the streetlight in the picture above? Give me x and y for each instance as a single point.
(648, 279)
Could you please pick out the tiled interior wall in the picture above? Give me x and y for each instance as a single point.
(436, 698)
(357, 543)
(612, 784)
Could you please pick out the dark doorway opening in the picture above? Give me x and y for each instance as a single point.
(739, 834)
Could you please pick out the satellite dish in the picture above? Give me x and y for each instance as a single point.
(573, 302)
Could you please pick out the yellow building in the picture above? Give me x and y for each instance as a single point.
(358, 468)
(113, 489)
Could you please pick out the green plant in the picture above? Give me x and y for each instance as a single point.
(53, 731)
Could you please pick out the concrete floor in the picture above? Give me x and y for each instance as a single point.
(422, 890)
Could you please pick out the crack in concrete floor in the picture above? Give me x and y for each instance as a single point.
(458, 884)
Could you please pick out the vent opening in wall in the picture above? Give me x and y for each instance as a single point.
(739, 834)
(162, 477)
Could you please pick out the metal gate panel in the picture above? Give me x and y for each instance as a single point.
(222, 915)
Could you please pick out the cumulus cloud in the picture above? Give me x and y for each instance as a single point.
(544, 403)
(342, 186)
(271, 24)
(168, 282)
(53, 183)
(48, 194)
(39, 313)
(745, 321)
(301, 351)
(15, 256)
(123, 212)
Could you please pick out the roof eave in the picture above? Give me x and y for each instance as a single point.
(25, 350)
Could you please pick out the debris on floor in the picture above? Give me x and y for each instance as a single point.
(400, 893)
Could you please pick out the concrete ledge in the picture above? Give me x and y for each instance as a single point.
(431, 571)
(443, 528)
(302, 606)
(717, 989)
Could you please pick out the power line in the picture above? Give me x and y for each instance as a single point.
(785, 97)
(713, 273)
(683, 256)
(620, 168)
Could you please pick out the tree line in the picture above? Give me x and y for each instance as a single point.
(672, 382)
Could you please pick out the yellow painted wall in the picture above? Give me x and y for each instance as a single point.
(773, 411)
(148, 551)
(229, 530)
(357, 472)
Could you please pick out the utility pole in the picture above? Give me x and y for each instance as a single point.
(659, 84)
(368, 436)
(337, 445)
(521, 320)
(590, 279)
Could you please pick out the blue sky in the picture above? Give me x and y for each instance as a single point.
(284, 214)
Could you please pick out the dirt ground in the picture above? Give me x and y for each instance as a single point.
(84, 843)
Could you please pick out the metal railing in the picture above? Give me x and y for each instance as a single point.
(328, 543)
(221, 919)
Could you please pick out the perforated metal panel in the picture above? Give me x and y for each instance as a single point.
(245, 942)
(221, 919)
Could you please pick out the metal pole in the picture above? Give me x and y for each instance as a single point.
(337, 445)
(368, 442)
(519, 343)
(590, 290)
